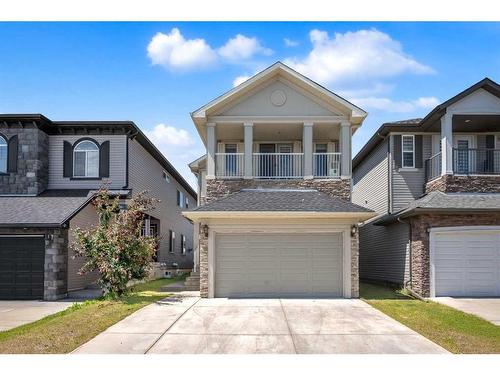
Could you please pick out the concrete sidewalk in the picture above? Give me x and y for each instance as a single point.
(188, 324)
(486, 308)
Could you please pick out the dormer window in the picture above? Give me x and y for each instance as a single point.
(3, 155)
(86, 159)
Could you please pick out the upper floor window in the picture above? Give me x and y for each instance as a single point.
(166, 176)
(408, 147)
(186, 203)
(3, 155)
(86, 159)
(180, 199)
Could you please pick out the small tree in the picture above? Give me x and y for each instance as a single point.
(115, 248)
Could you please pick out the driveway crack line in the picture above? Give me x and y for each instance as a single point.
(288, 326)
(171, 325)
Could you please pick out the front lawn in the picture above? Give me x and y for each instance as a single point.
(452, 329)
(65, 331)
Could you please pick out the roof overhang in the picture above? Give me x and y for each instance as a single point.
(197, 216)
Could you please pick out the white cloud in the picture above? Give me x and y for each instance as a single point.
(290, 42)
(388, 105)
(166, 135)
(173, 51)
(353, 56)
(242, 47)
(239, 80)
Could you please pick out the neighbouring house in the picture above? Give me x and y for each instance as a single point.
(49, 173)
(435, 184)
(275, 216)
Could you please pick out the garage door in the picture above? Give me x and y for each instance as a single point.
(467, 263)
(278, 265)
(21, 267)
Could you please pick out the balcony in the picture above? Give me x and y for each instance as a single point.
(278, 165)
(466, 161)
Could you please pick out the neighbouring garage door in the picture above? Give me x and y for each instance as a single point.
(467, 263)
(278, 265)
(21, 267)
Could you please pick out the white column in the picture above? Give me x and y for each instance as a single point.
(447, 144)
(196, 246)
(307, 148)
(345, 149)
(211, 146)
(248, 137)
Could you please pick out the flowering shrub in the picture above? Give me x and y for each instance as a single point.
(115, 248)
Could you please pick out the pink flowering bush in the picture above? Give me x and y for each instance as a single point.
(115, 248)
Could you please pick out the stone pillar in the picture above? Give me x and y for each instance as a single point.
(248, 162)
(345, 149)
(203, 249)
(447, 144)
(56, 265)
(211, 147)
(355, 264)
(307, 147)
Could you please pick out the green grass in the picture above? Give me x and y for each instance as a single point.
(65, 331)
(456, 331)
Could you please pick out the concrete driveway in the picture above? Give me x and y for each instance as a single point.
(16, 313)
(191, 325)
(486, 308)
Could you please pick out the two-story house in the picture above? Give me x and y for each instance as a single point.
(276, 217)
(435, 184)
(49, 174)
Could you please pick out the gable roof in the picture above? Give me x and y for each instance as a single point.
(199, 115)
(422, 124)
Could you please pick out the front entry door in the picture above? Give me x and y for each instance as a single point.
(267, 163)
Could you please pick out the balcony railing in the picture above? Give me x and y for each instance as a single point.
(278, 165)
(476, 161)
(466, 161)
(229, 165)
(326, 165)
(433, 167)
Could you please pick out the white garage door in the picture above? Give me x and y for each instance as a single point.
(467, 263)
(278, 265)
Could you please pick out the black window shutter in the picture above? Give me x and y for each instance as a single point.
(12, 147)
(178, 198)
(397, 151)
(418, 152)
(68, 159)
(490, 141)
(104, 159)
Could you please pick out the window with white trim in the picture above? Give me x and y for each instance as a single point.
(166, 176)
(180, 199)
(183, 244)
(3, 155)
(86, 159)
(408, 151)
(171, 241)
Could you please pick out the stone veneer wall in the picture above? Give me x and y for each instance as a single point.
(56, 259)
(32, 176)
(464, 184)
(420, 262)
(355, 265)
(203, 249)
(219, 188)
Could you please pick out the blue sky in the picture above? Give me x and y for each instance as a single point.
(156, 73)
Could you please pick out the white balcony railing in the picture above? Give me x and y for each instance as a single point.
(229, 165)
(278, 165)
(327, 165)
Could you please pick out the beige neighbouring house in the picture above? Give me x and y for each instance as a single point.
(274, 215)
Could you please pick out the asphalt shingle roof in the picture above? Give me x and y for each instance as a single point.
(438, 201)
(281, 200)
